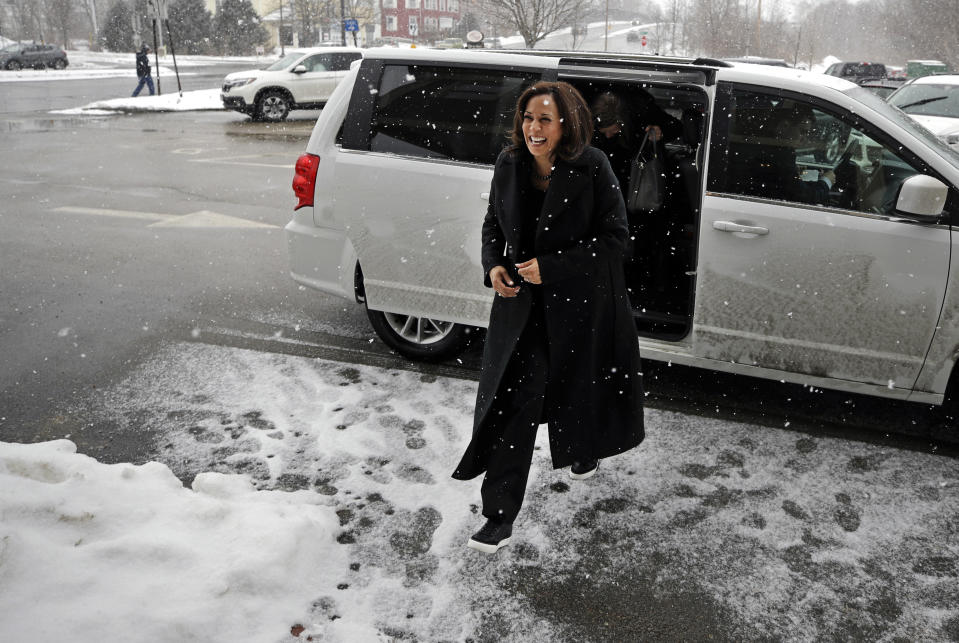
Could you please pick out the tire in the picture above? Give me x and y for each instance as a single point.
(420, 338)
(273, 106)
(59, 63)
(14, 65)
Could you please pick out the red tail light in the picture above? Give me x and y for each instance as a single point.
(304, 179)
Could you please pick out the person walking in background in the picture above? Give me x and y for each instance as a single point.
(143, 70)
(561, 347)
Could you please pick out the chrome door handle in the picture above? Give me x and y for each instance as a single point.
(732, 226)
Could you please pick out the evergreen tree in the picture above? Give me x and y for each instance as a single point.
(117, 32)
(237, 28)
(192, 27)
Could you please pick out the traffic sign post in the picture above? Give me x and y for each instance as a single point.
(351, 24)
(642, 41)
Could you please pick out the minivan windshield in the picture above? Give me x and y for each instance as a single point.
(902, 119)
(286, 61)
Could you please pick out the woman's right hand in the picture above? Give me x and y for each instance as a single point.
(502, 282)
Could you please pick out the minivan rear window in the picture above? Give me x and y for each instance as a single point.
(459, 114)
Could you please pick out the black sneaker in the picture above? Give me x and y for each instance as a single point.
(491, 537)
(584, 469)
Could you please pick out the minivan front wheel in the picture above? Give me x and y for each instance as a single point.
(419, 338)
(273, 106)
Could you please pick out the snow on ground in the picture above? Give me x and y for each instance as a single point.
(356, 532)
(197, 100)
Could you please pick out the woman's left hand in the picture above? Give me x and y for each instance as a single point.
(529, 271)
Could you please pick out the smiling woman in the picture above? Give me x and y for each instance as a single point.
(552, 249)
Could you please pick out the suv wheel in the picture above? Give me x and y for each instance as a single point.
(59, 63)
(419, 338)
(273, 106)
(14, 65)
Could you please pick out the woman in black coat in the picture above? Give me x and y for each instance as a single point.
(561, 346)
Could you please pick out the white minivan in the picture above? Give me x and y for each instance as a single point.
(807, 233)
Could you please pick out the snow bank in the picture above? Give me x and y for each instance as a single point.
(203, 99)
(95, 552)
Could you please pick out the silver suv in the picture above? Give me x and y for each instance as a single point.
(302, 79)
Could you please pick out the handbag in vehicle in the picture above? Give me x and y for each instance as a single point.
(647, 181)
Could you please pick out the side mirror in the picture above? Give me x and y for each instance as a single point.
(299, 69)
(922, 197)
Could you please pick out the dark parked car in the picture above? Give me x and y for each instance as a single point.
(857, 72)
(32, 56)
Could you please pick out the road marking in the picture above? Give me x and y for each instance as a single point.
(125, 214)
(208, 219)
(231, 160)
(199, 219)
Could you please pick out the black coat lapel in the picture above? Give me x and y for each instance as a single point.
(569, 179)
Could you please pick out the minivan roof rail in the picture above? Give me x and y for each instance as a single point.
(601, 55)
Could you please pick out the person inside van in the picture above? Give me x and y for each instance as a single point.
(561, 346)
(796, 128)
(614, 134)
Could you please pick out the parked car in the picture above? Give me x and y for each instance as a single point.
(896, 73)
(32, 56)
(920, 68)
(856, 291)
(302, 79)
(933, 101)
(857, 72)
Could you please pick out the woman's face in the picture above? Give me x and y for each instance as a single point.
(542, 128)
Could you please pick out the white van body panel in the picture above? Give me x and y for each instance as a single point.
(832, 294)
(321, 255)
(424, 257)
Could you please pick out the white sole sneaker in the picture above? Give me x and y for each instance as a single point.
(485, 548)
(583, 476)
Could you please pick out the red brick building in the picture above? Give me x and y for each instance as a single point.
(419, 20)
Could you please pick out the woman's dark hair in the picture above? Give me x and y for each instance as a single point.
(573, 113)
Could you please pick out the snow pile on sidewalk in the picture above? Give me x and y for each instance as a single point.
(203, 99)
(92, 552)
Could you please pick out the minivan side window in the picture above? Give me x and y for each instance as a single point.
(783, 148)
(459, 114)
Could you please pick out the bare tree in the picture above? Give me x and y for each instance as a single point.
(59, 14)
(90, 11)
(719, 26)
(536, 19)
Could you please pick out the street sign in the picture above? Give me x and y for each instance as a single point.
(642, 41)
(351, 24)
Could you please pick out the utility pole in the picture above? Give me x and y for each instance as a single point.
(759, 19)
(606, 29)
(343, 23)
(282, 50)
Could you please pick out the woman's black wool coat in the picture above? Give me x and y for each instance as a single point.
(594, 397)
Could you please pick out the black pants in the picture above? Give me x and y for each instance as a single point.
(518, 408)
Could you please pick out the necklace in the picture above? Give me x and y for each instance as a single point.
(542, 177)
